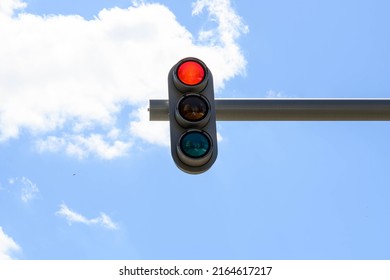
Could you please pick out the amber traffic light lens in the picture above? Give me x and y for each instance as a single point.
(191, 73)
(193, 108)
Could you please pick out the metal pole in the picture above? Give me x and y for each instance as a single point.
(290, 109)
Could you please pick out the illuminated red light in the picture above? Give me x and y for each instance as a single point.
(191, 73)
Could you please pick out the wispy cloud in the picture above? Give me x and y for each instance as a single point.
(82, 86)
(7, 246)
(73, 217)
(83, 146)
(275, 94)
(28, 189)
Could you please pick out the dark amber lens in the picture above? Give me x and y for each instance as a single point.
(193, 108)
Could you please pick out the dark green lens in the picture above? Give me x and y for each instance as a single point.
(195, 144)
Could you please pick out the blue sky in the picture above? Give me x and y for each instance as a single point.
(85, 175)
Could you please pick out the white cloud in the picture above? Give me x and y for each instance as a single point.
(106, 221)
(105, 147)
(7, 246)
(73, 217)
(28, 189)
(8, 7)
(153, 132)
(67, 80)
(230, 25)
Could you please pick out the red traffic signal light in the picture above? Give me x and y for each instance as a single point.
(191, 73)
(192, 116)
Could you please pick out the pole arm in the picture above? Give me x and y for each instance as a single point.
(289, 109)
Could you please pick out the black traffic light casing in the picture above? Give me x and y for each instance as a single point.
(192, 116)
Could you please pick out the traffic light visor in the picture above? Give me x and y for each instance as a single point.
(191, 73)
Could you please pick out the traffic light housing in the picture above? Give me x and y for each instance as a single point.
(192, 116)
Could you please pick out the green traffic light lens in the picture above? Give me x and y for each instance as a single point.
(193, 108)
(195, 144)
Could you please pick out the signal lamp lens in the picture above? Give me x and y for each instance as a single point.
(193, 108)
(191, 73)
(195, 144)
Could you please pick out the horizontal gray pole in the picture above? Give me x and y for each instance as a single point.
(290, 109)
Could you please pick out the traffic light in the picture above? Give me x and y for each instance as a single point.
(192, 116)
